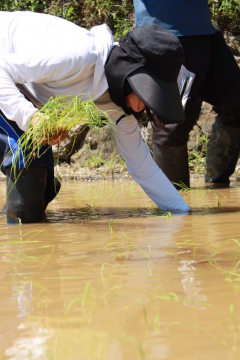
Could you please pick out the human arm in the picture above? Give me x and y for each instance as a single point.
(143, 168)
(140, 163)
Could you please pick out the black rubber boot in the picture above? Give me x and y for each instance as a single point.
(173, 161)
(53, 187)
(222, 154)
(25, 194)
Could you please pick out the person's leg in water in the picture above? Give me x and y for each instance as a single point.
(222, 90)
(170, 143)
(29, 188)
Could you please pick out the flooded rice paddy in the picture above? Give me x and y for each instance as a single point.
(109, 277)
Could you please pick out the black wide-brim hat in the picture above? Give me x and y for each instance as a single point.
(150, 58)
(161, 97)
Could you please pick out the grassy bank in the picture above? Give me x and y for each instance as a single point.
(118, 14)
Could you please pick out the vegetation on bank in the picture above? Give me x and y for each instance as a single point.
(226, 15)
(118, 14)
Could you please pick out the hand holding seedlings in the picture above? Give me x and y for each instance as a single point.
(53, 122)
(54, 137)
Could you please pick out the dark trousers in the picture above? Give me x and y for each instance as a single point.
(217, 82)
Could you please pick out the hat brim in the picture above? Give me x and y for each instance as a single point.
(161, 97)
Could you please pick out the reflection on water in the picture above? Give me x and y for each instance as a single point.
(108, 276)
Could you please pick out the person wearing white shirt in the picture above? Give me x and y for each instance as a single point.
(48, 57)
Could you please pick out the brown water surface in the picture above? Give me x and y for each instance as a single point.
(109, 277)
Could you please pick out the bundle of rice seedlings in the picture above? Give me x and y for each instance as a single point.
(53, 122)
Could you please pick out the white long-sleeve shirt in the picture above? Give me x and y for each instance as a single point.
(53, 57)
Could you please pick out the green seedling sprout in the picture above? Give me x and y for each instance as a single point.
(102, 270)
(111, 162)
(138, 345)
(182, 186)
(148, 256)
(28, 240)
(168, 216)
(157, 325)
(34, 248)
(140, 302)
(20, 230)
(111, 225)
(56, 118)
(94, 162)
(87, 297)
(169, 297)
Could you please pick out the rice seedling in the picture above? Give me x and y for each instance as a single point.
(111, 162)
(148, 256)
(119, 242)
(196, 156)
(111, 225)
(220, 248)
(102, 270)
(169, 297)
(34, 249)
(133, 189)
(139, 302)
(86, 298)
(137, 344)
(95, 161)
(157, 325)
(20, 239)
(167, 215)
(196, 162)
(93, 208)
(52, 123)
(182, 187)
(121, 161)
(217, 197)
(20, 230)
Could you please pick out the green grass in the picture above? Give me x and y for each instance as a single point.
(197, 157)
(95, 161)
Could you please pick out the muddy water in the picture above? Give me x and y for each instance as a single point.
(108, 277)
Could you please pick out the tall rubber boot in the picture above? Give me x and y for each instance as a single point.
(173, 161)
(25, 194)
(222, 154)
(53, 187)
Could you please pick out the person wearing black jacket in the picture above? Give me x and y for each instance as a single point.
(216, 81)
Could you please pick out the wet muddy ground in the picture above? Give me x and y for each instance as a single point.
(107, 276)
